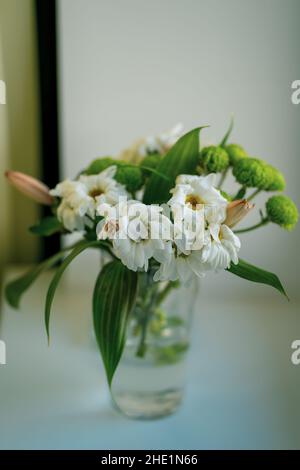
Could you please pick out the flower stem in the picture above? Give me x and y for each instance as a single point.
(147, 310)
(255, 193)
(248, 229)
(142, 347)
(163, 294)
(240, 194)
(223, 177)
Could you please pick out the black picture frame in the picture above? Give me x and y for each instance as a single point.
(46, 28)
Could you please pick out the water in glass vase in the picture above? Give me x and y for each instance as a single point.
(150, 380)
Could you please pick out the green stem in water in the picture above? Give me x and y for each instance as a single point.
(255, 193)
(147, 309)
(142, 347)
(163, 294)
(249, 229)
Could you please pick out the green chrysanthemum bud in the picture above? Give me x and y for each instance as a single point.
(253, 173)
(129, 175)
(278, 181)
(236, 153)
(214, 159)
(282, 210)
(150, 161)
(98, 165)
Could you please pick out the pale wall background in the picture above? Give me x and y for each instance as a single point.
(130, 68)
(19, 128)
(138, 67)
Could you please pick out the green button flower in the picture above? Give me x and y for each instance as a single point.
(236, 153)
(129, 175)
(278, 181)
(253, 173)
(282, 210)
(214, 159)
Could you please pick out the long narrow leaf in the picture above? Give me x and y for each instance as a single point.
(227, 135)
(153, 170)
(113, 299)
(15, 289)
(47, 226)
(255, 274)
(81, 246)
(182, 158)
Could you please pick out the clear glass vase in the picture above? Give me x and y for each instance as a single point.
(150, 379)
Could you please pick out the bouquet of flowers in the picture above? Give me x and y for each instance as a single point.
(160, 213)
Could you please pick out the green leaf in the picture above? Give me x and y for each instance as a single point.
(182, 158)
(156, 172)
(47, 226)
(113, 299)
(227, 135)
(79, 247)
(15, 289)
(255, 274)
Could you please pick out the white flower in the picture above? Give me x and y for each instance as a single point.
(138, 232)
(162, 142)
(177, 265)
(221, 248)
(79, 199)
(189, 227)
(103, 188)
(193, 193)
(75, 204)
(168, 139)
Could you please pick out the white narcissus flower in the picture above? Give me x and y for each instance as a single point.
(138, 232)
(193, 193)
(80, 198)
(221, 248)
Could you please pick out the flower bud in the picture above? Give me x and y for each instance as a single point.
(278, 181)
(214, 159)
(127, 174)
(281, 210)
(253, 173)
(235, 153)
(30, 186)
(236, 211)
